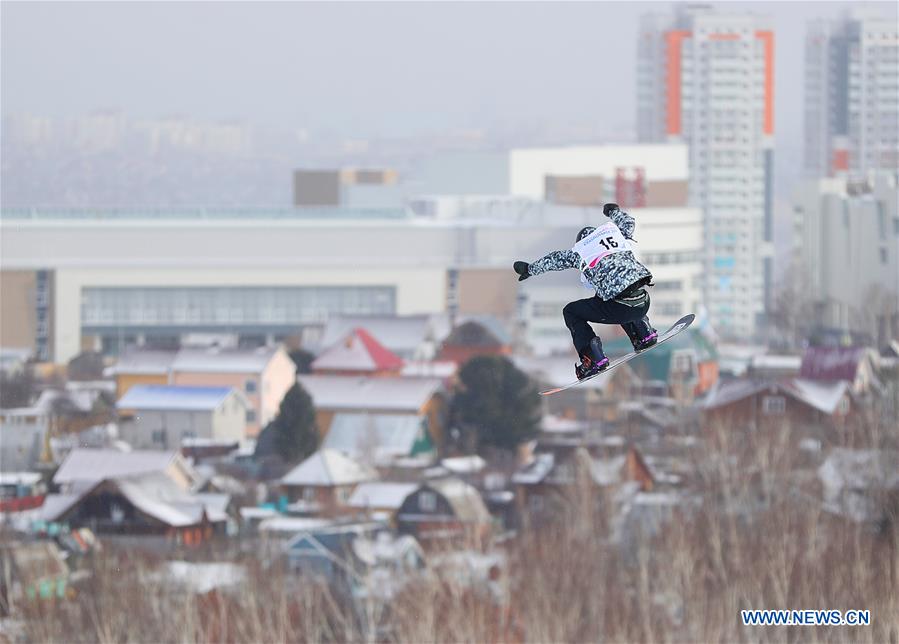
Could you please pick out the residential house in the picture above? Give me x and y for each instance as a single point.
(322, 484)
(146, 493)
(379, 439)
(445, 510)
(380, 499)
(165, 416)
(147, 504)
(411, 337)
(475, 337)
(21, 491)
(262, 374)
(23, 438)
(141, 367)
(84, 467)
(26, 433)
(687, 364)
(854, 365)
(422, 398)
(361, 560)
(813, 405)
(596, 399)
(554, 480)
(357, 354)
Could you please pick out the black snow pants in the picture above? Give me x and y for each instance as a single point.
(629, 312)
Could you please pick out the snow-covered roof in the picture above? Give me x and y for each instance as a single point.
(55, 505)
(357, 351)
(559, 425)
(216, 504)
(404, 335)
(776, 362)
(98, 464)
(143, 362)
(369, 394)
(464, 464)
(376, 435)
(379, 494)
(328, 467)
(218, 360)
(158, 496)
(253, 512)
(174, 398)
(292, 525)
(464, 499)
(535, 471)
(19, 478)
(152, 492)
(430, 369)
(823, 396)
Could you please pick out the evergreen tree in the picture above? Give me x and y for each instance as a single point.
(302, 359)
(496, 404)
(292, 434)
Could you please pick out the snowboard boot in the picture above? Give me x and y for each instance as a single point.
(641, 334)
(592, 361)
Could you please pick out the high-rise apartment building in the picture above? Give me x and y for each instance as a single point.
(847, 249)
(706, 78)
(851, 96)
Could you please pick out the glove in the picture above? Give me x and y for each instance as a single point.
(522, 269)
(609, 208)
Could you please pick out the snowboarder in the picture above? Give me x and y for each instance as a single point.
(602, 255)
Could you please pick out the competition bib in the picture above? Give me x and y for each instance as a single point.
(602, 242)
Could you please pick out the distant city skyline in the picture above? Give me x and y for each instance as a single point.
(363, 70)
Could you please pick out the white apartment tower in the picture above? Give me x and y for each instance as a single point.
(851, 96)
(706, 78)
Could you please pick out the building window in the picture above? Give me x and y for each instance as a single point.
(427, 501)
(843, 407)
(774, 405)
(251, 416)
(884, 256)
(309, 494)
(158, 437)
(250, 386)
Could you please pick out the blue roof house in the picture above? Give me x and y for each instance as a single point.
(162, 416)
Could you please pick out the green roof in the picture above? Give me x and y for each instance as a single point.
(656, 363)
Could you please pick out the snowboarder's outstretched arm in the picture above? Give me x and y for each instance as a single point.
(621, 219)
(557, 260)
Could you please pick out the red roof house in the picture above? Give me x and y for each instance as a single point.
(357, 353)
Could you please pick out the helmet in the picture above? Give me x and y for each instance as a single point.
(584, 232)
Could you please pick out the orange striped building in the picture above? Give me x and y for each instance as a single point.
(706, 78)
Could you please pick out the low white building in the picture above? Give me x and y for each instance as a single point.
(162, 416)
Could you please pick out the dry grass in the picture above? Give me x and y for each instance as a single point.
(564, 583)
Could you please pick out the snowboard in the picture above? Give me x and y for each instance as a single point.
(676, 328)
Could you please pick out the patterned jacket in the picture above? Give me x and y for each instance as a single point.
(612, 276)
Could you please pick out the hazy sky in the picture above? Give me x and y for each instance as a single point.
(364, 69)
